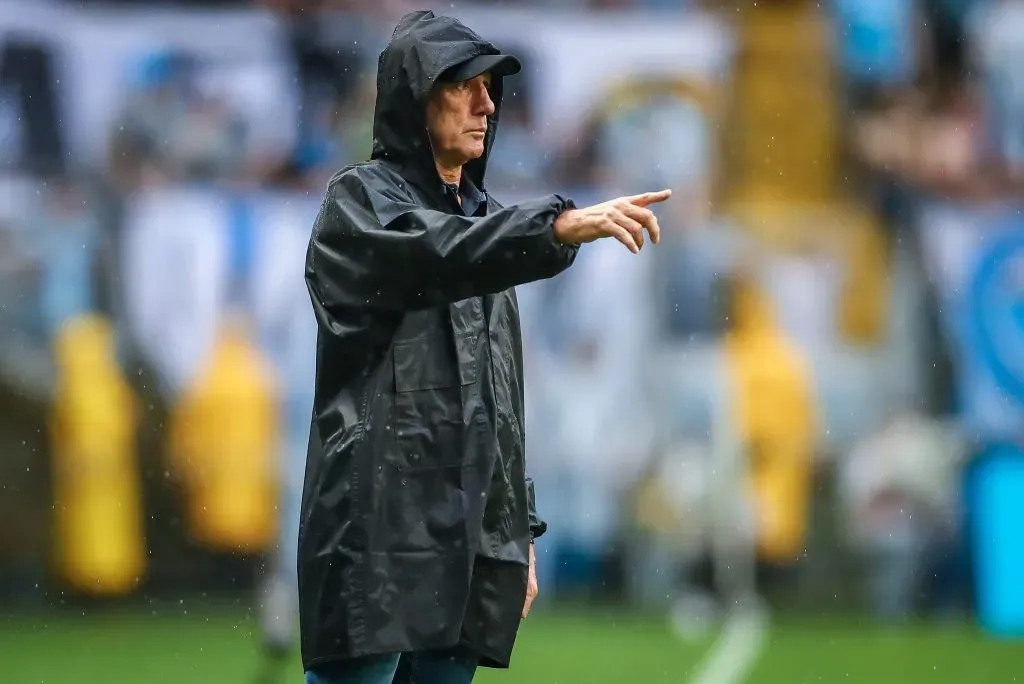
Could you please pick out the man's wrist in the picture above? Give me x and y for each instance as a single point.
(562, 227)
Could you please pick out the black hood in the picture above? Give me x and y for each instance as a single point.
(422, 48)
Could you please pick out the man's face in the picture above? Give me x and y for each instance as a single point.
(457, 119)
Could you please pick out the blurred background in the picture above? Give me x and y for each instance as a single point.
(784, 446)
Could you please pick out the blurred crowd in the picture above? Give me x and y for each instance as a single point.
(780, 398)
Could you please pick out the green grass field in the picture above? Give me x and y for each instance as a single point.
(591, 648)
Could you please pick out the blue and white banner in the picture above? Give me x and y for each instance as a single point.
(975, 257)
(192, 256)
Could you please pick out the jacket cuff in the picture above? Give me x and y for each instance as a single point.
(537, 525)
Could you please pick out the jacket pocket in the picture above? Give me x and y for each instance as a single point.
(426, 363)
(430, 379)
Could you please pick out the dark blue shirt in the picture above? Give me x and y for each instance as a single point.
(472, 199)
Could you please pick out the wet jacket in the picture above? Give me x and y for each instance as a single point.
(417, 513)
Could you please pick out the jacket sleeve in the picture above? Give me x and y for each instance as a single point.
(537, 525)
(373, 247)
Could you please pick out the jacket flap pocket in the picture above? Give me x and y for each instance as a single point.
(430, 362)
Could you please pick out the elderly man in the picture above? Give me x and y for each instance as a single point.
(415, 550)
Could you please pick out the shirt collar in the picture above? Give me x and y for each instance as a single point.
(471, 197)
(470, 191)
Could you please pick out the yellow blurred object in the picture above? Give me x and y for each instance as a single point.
(98, 517)
(782, 139)
(774, 406)
(224, 435)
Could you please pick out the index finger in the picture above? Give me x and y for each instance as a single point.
(643, 199)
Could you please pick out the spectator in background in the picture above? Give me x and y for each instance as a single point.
(670, 528)
(771, 414)
(879, 54)
(289, 342)
(941, 136)
(596, 423)
(899, 490)
(171, 129)
(210, 142)
(154, 101)
(333, 54)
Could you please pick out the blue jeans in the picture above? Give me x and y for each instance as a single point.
(422, 667)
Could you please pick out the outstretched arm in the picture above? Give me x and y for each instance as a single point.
(373, 247)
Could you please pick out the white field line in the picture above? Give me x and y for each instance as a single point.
(733, 655)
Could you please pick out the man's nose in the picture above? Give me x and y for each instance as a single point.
(484, 103)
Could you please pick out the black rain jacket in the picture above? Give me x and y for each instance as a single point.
(417, 514)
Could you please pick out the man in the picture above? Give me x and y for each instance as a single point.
(415, 554)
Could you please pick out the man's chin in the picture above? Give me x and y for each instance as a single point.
(470, 153)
